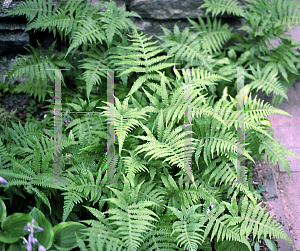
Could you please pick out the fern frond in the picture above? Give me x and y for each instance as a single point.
(94, 69)
(6, 116)
(65, 20)
(286, 12)
(266, 80)
(70, 199)
(221, 170)
(172, 147)
(160, 238)
(185, 46)
(35, 67)
(283, 57)
(40, 195)
(86, 128)
(133, 219)
(188, 227)
(114, 20)
(58, 21)
(144, 55)
(33, 8)
(215, 36)
(133, 165)
(252, 215)
(220, 7)
(4, 161)
(276, 152)
(219, 225)
(123, 118)
(89, 31)
(179, 196)
(100, 235)
(102, 27)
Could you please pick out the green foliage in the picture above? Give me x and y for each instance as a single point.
(142, 54)
(175, 169)
(35, 67)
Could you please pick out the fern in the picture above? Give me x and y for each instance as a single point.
(35, 68)
(103, 27)
(100, 235)
(151, 207)
(276, 153)
(186, 46)
(283, 57)
(65, 20)
(132, 218)
(160, 238)
(215, 36)
(285, 13)
(220, 7)
(189, 228)
(123, 118)
(144, 55)
(33, 8)
(250, 216)
(94, 67)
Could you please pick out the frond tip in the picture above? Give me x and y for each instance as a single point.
(220, 7)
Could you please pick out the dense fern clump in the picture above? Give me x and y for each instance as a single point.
(175, 130)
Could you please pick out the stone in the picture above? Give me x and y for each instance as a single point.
(166, 10)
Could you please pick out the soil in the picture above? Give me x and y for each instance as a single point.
(20, 101)
(259, 175)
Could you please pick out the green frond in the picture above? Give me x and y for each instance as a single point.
(6, 116)
(254, 219)
(229, 246)
(94, 69)
(216, 139)
(213, 37)
(15, 178)
(188, 227)
(180, 196)
(149, 191)
(33, 8)
(70, 199)
(87, 128)
(35, 67)
(100, 235)
(132, 219)
(221, 170)
(219, 227)
(65, 20)
(160, 238)
(186, 47)
(40, 195)
(4, 161)
(102, 27)
(172, 147)
(283, 57)
(266, 80)
(89, 31)
(58, 21)
(276, 152)
(144, 55)
(123, 118)
(284, 13)
(133, 165)
(220, 7)
(115, 20)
